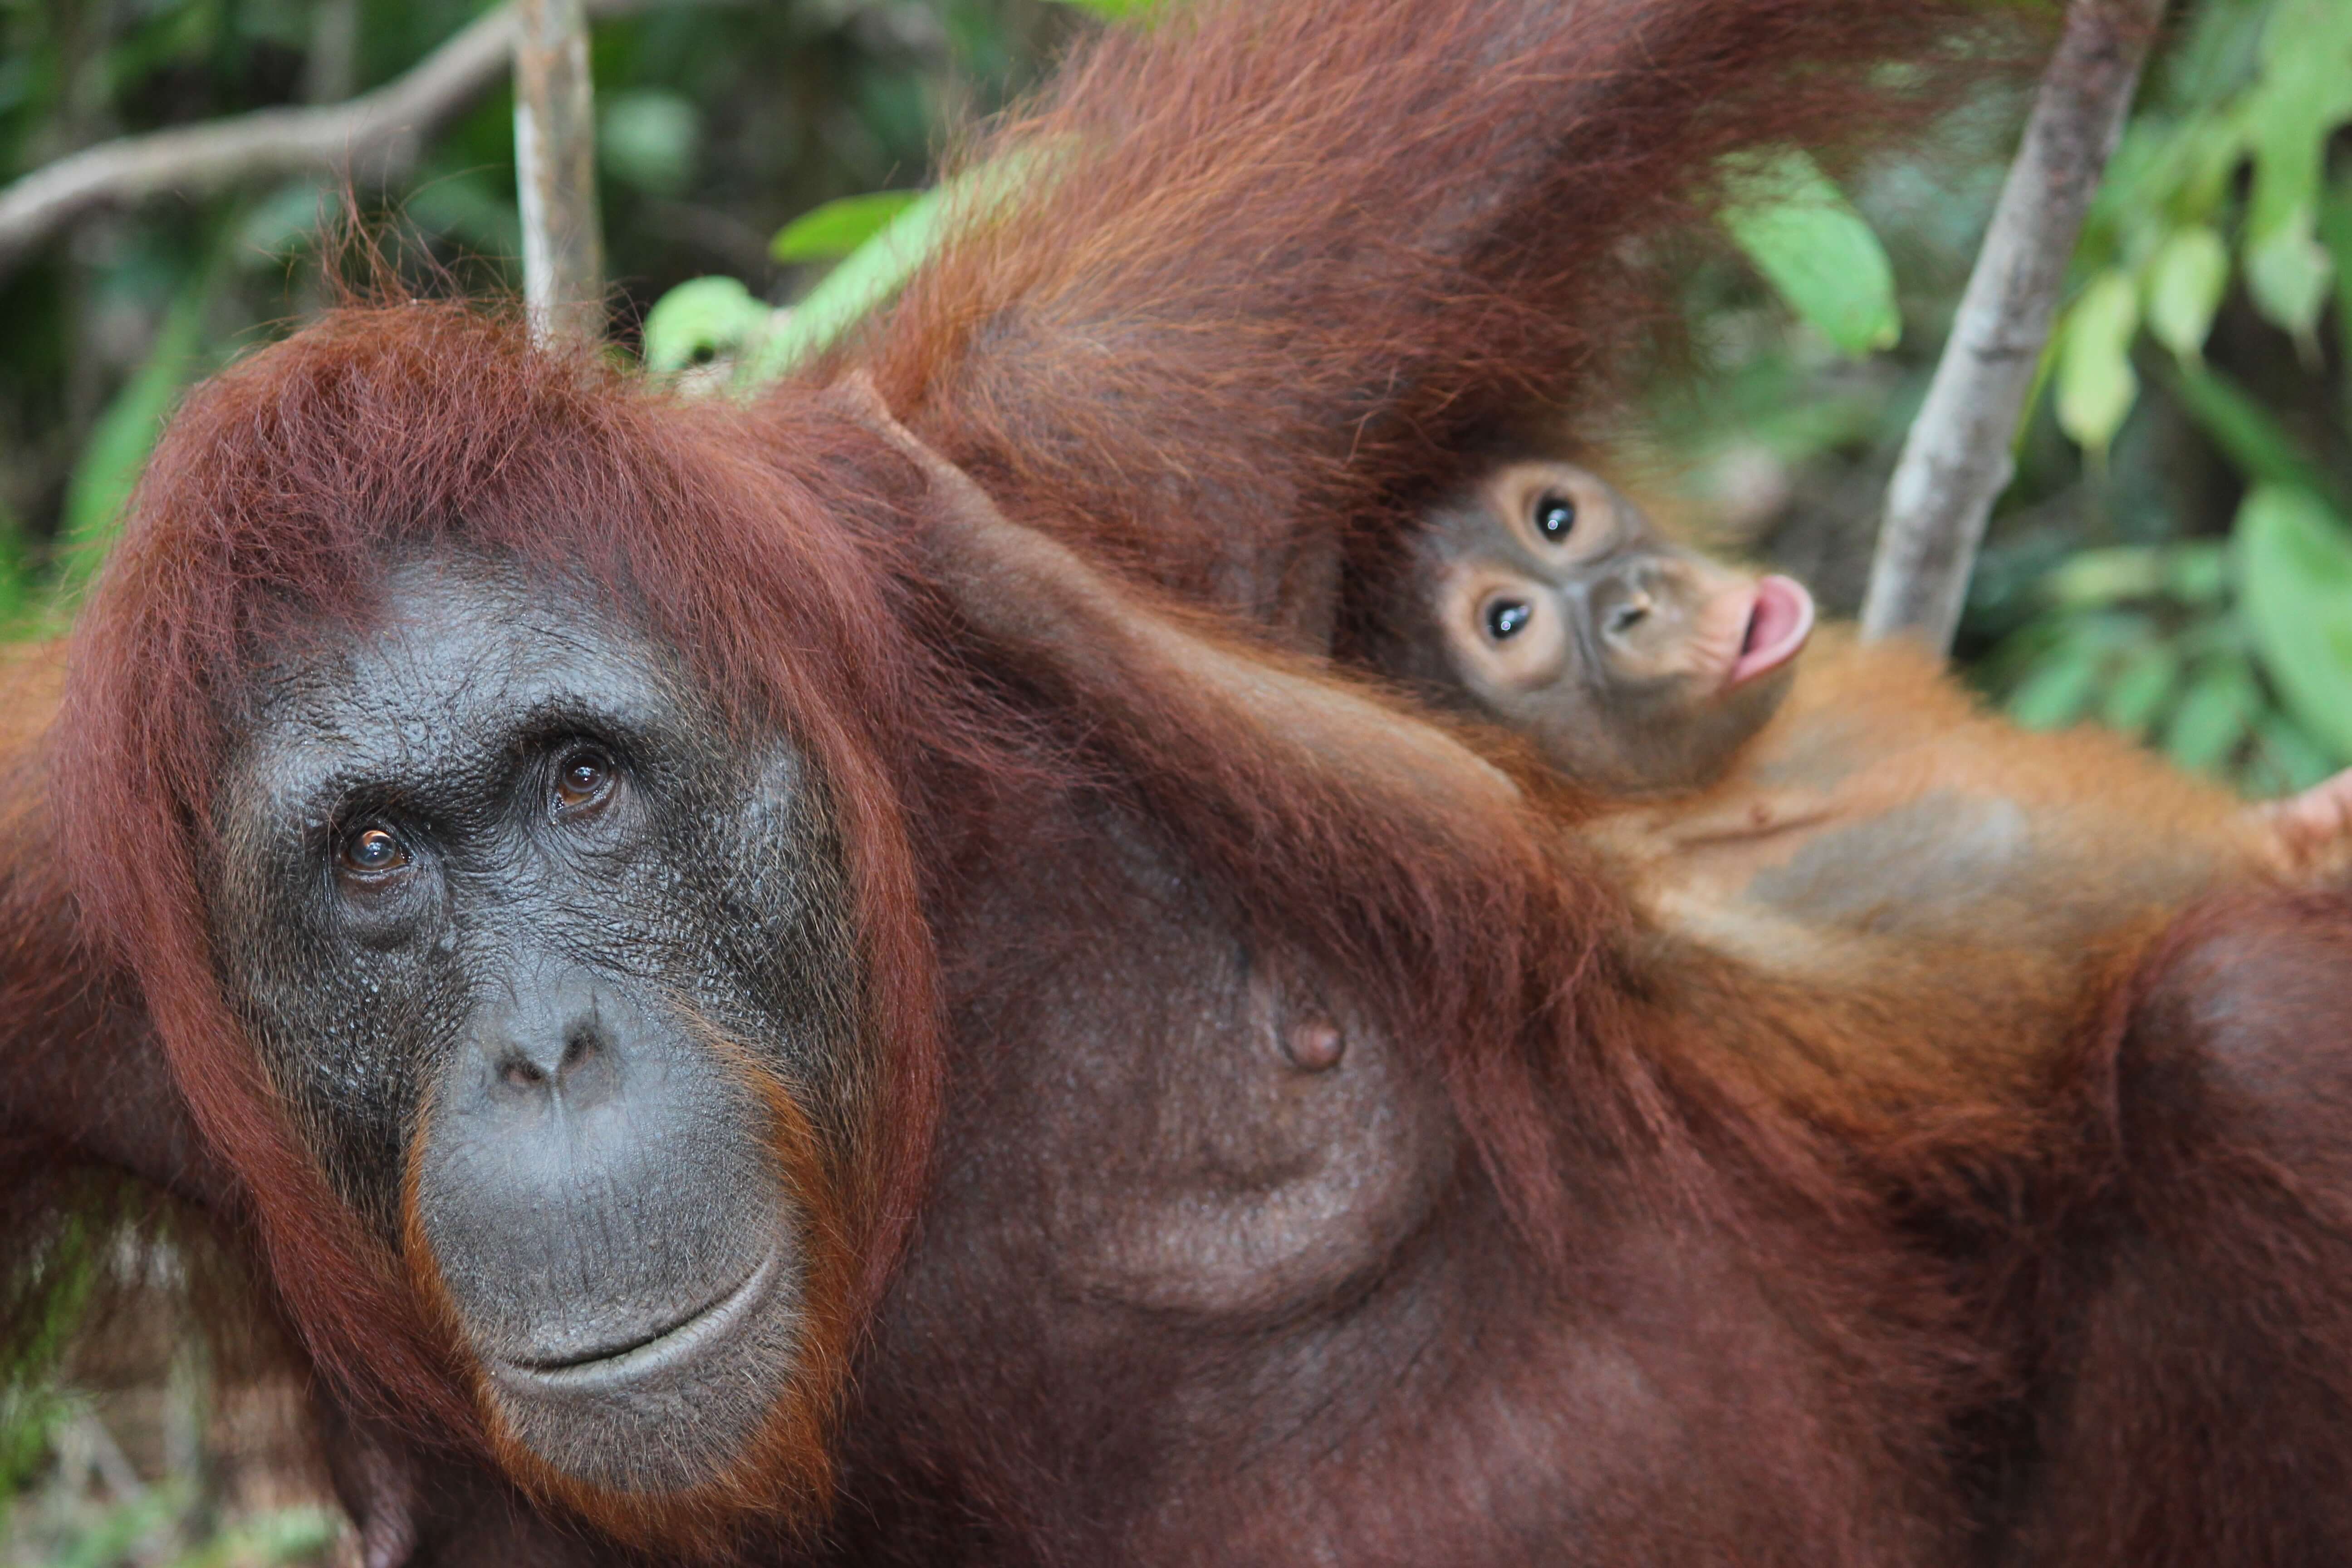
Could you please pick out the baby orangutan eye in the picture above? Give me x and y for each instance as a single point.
(584, 779)
(1555, 517)
(1506, 619)
(372, 851)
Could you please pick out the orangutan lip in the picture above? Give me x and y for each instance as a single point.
(662, 1345)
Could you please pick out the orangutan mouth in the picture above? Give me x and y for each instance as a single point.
(1780, 619)
(659, 1348)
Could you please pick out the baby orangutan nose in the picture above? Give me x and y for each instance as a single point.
(1651, 611)
(1629, 614)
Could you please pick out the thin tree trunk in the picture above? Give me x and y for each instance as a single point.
(555, 169)
(1955, 461)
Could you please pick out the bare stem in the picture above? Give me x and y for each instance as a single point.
(1956, 461)
(555, 171)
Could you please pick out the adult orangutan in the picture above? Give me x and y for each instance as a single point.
(531, 811)
(2067, 1187)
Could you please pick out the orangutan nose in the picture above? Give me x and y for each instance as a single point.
(559, 1041)
(576, 1062)
(1626, 607)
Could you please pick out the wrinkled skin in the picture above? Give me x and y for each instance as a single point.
(511, 930)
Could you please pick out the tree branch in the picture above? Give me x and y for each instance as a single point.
(371, 140)
(555, 172)
(1956, 461)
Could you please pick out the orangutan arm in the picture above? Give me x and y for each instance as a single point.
(1170, 685)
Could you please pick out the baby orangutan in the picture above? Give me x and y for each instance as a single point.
(1767, 803)
(1635, 666)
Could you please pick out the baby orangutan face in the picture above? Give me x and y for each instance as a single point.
(1549, 602)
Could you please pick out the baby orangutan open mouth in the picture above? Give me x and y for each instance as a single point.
(1779, 620)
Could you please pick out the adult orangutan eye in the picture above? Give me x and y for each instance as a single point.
(1555, 517)
(1506, 619)
(582, 780)
(372, 851)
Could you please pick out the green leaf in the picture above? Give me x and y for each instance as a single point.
(2287, 273)
(878, 269)
(2305, 93)
(701, 318)
(2295, 563)
(2106, 576)
(832, 231)
(2140, 690)
(2197, 571)
(1807, 239)
(2096, 385)
(2186, 279)
(2210, 148)
(2166, 172)
(2217, 49)
(871, 275)
(2213, 716)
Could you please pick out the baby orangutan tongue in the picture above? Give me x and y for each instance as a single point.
(1778, 625)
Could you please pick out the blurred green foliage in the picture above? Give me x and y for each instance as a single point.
(2230, 645)
(2174, 558)
(1805, 237)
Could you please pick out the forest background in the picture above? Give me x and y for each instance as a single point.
(2173, 559)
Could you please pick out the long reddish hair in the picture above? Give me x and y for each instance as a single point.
(1271, 275)
(1273, 270)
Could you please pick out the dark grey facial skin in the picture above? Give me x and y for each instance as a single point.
(501, 896)
(1598, 638)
